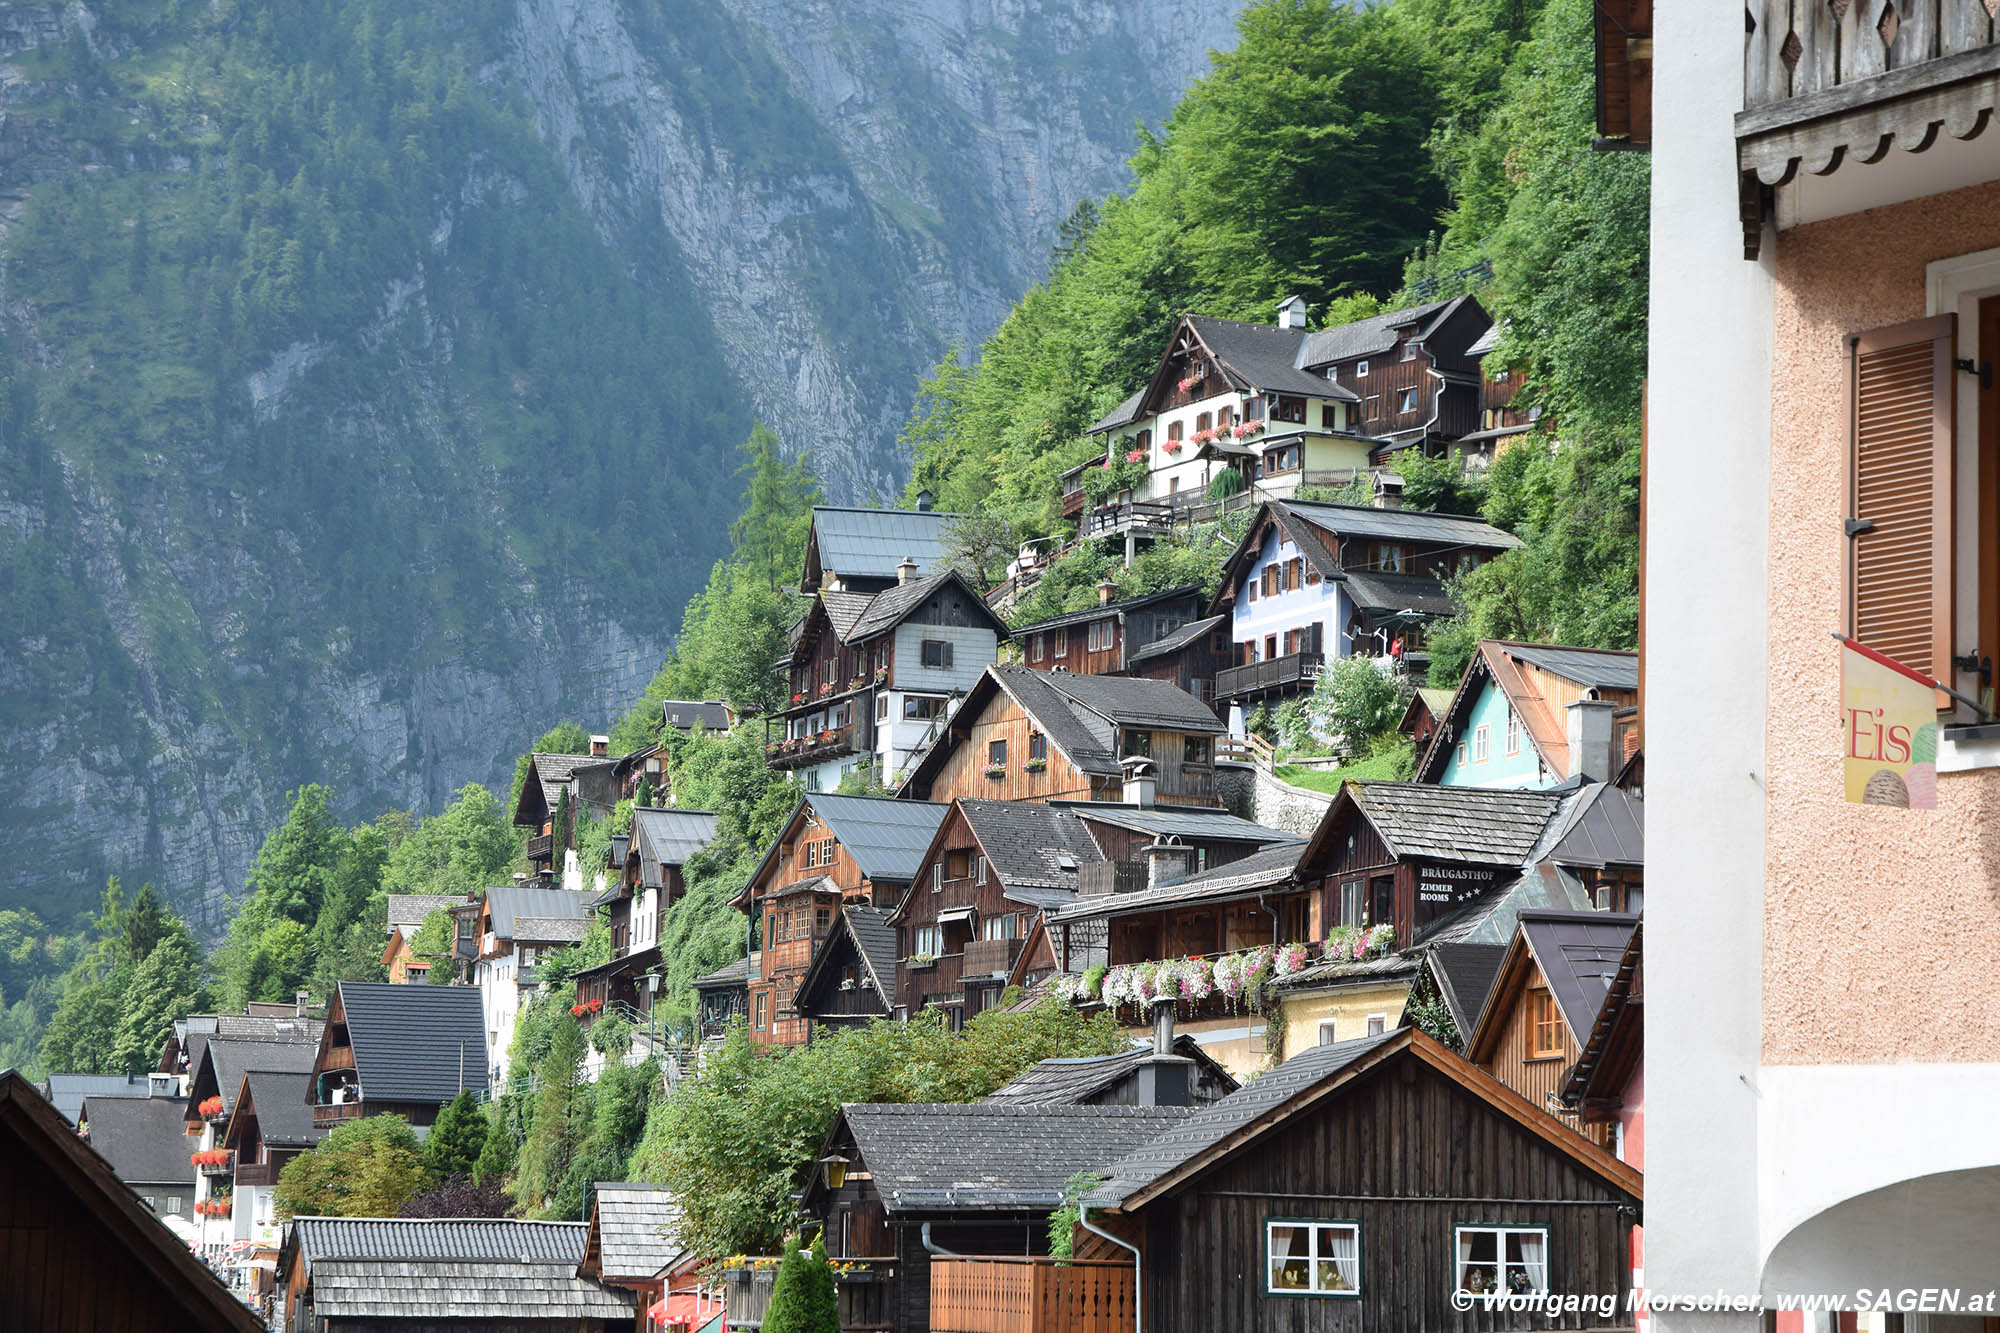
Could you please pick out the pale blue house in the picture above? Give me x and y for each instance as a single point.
(1530, 716)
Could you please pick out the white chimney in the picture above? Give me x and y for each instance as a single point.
(300, 1002)
(600, 745)
(907, 569)
(1139, 783)
(924, 501)
(1292, 313)
(1590, 738)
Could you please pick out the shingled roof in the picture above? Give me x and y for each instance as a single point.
(992, 1157)
(736, 972)
(1261, 870)
(1377, 333)
(687, 714)
(1264, 357)
(408, 910)
(1410, 525)
(1075, 1081)
(1192, 632)
(493, 1240)
(1382, 592)
(410, 1042)
(230, 1058)
(1476, 825)
(143, 1138)
(1191, 824)
(1103, 609)
(634, 1231)
(1464, 974)
(1031, 847)
(890, 607)
(874, 942)
(554, 771)
(436, 1292)
(282, 1103)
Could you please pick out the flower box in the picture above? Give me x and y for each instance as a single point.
(799, 696)
(998, 771)
(826, 689)
(1172, 446)
(1136, 456)
(829, 736)
(1035, 765)
(920, 960)
(857, 683)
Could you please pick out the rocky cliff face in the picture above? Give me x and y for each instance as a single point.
(324, 466)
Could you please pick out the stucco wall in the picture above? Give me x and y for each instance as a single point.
(1348, 1008)
(1871, 915)
(1520, 771)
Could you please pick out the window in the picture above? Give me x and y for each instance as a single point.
(1253, 409)
(1329, 417)
(1305, 1258)
(1137, 744)
(1290, 409)
(978, 870)
(1062, 643)
(1410, 351)
(927, 940)
(1389, 556)
(1371, 407)
(1460, 756)
(1194, 750)
(1253, 589)
(176, 1203)
(1513, 731)
(937, 653)
(1406, 400)
(1173, 430)
(763, 1010)
(1329, 1032)
(1004, 927)
(1514, 1260)
(822, 918)
(1361, 370)
(881, 708)
(1204, 421)
(937, 877)
(1544, 1029)
(996, 753)
(1377, 1024)
(1038, 746)
(1145, 440)
(1479, 744)
(810, 858)
(1039, 645)
(922, 710)
(1103, 635)
(1353, 901)
(1270, 580)
(826, 852)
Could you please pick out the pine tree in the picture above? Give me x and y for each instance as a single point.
(563, 828)
(165, 987)
(496, 1158)
(145, 923)
(456, 1141)
(803, 1299)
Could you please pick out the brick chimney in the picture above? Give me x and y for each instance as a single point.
(1166, 860)
(600, 745)
(1106, 590)
(906, 569)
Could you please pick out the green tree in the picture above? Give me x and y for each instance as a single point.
(455, 1142)
(145, 924)
(1355, 702)
(433, 942)
(364, 1168)
(164, 988)
(777, 510)
(496, 1158)
(462, 849)
(803, 1299)
(560, 1118)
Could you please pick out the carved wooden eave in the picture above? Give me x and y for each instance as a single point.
(1828, 82)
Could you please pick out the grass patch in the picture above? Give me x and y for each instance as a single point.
(1388, 766)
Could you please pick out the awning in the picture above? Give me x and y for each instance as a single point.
(952, 914)
(688, 1310)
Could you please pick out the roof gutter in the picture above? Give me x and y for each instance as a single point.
(1138, 1266)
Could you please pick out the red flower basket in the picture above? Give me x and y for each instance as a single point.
(210, 1106)
(1136, 456)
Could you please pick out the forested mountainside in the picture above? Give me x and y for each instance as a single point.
(371, 374)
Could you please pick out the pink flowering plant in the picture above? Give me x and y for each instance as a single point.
(1196, 978)
(1290, 958)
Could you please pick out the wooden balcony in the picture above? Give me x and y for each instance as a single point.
(1073, 503)
(541, 847)
(1021, 1295)
(1110, 877)
(1824, 85)
(327, 1115)
(257, 1173)
(833, 743)
(985, 957)
(1292, 673)
(1132, 516)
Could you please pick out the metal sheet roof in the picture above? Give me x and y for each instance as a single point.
(1608, 828)
(67, 1091)
(1579, 953)
(512, 903)
(1074, 1081)
(1177, 640)
(1260, 870)
(496, 1240)
(1383, 591)
(1602, 668)
(886, 837)
(1179, 821)
(870, 543)
(670, 837)
(1412, 525)
(410, 1042)
(143, 1138)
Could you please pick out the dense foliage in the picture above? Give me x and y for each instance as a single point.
(369, 1167)
(802, 1297)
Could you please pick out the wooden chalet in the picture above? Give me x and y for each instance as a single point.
(646, 882)
(592, 781)
(872, 674)
(1420, 716)
(401, 1049)
(722, 997)
(833, 851)
(852, 976)
(1503, 419)
(633, 1242)
(1545, 1002)
(1027, 735)
(895, 1180)
(407, 914)
(1535, 715)
(79, 1249)
(270, 1124)
(686, 715)
(1599, 836)
(1161, 636)
(1607, 1084)
(1311, 583)
(216, 1081)
(463, 1275)
(860, 550)
(991, 869)
(1373, 1184)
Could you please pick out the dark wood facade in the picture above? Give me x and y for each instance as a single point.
(841, 986)
(954, 904)
(1101, 643)
(1355, 879)
(1033, 767)
(1409, 1150)
(1428, 387)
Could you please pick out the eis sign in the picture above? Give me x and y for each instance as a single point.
(1889, 730)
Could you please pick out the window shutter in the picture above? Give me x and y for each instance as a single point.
(1900, 574)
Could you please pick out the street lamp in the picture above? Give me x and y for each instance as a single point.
(834, 1168)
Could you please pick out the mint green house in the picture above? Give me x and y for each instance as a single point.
(1532, 716)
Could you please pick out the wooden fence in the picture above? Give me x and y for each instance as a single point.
(1023, 1295)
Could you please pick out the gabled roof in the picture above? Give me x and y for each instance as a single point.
(162, 1276)
(1605, 827)
(670, 837)
(1256, 873)
(1617, 1038)
(1464, 975)
(1491, 918)
(1189, 592)
(873, 940)
(1033, 849)
(230, 1059)
(408, 910)
(870, 543)
(1497, 665)
(1263, 357)
(496, 1240)
(1318, 530)
(890, 607)
(842, 610)
(736, 972)
(987, 1157)
(1191, 824)
(1377, 333)
(886, 837)
(410, 1042)
(1263, 1107)
(1475, 825)
(510, 905)
(634, 1231)
(66, 1092)
(1190, 633)
(1124, 414)
(1074, 1081)
(687, 714)
(143, 1139)
(551, 772)
(1577, 954)
(281, 1101)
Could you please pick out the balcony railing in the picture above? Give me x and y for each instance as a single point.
(1265, 677)
(1141, 515)
(540, 846)
(801, 752)
(1022, 1295)
(866, 1289)
(1110, 877)
(257, 1173)
(985, 957)
(329, 1114)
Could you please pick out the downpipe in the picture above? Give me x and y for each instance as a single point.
(1138, 1267)
(931, 1246)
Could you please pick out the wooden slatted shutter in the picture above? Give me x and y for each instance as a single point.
(1900, 575)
